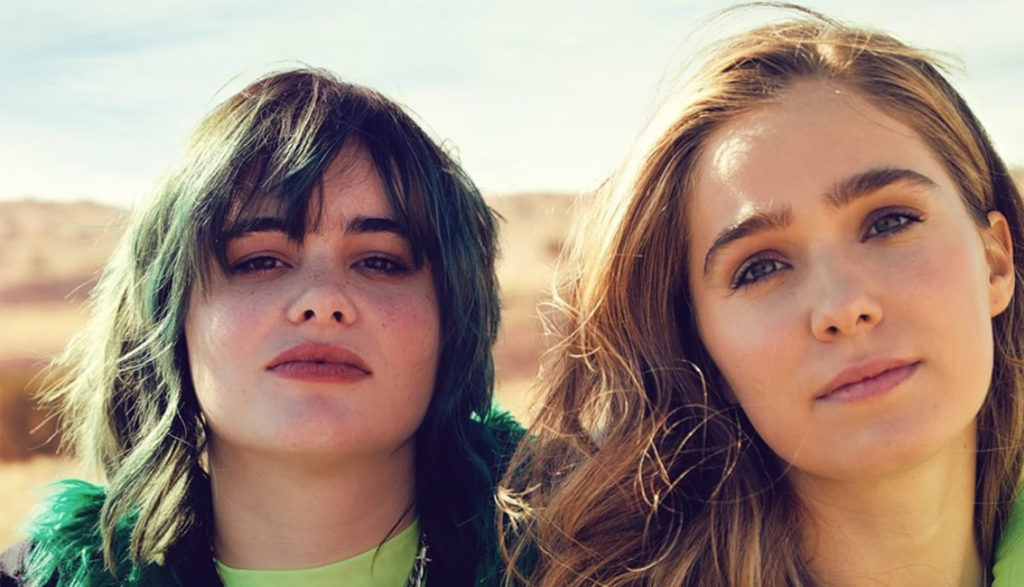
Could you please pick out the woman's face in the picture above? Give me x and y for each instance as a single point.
(325, 347)
(841, 286)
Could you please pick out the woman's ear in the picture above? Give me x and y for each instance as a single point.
(999, 254)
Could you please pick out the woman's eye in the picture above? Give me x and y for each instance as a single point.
(890, 223)
(384, 265)
(257, 265)
(756, 270)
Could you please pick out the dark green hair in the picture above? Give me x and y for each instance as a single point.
(129, 404)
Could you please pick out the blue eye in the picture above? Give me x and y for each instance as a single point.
(757, 269)
(890, 223)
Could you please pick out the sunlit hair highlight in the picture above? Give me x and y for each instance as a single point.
(129, 408)
(639, 470)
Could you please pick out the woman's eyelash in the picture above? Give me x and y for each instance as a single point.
(381, 264)
(257, 264)
(384, 265)
(890, 222)
(882, 224)
(754, 270)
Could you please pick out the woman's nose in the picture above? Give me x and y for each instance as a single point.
(843, 302)
(322, 296)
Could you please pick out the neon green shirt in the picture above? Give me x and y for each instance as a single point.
(387, 567)
(1009, 568)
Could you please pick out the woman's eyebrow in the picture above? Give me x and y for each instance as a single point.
(363, 224)
(868, 182)
(246, 226)
(841, 194)
(358, 225)
(758, 221)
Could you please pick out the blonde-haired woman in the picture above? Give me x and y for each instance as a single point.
(288, 376)
(793, 337)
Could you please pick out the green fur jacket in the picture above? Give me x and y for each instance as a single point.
(64, 548)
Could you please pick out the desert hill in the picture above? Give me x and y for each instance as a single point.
(50, 242)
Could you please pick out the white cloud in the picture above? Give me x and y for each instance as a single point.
(98, 97)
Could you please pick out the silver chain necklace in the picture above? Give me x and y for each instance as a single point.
(418, 575)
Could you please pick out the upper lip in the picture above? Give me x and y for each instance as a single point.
(861, 372)
(317, 352)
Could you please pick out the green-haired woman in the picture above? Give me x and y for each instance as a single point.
(287, 378)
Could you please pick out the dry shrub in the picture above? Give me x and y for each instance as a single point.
(26, 428)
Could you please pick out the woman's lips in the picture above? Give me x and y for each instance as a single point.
(317, 371)
(867, 381)
(320, 362)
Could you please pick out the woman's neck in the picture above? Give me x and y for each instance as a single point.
(275, 513)
(912, 528)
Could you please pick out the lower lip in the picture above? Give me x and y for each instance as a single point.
(319, 372)
(873, 386)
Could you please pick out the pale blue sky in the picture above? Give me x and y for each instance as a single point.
(97, 97)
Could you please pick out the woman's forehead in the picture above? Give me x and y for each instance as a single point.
(349, 189)
(809, 138)
(797, 153)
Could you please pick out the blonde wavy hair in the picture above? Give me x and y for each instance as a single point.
(638, 469)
